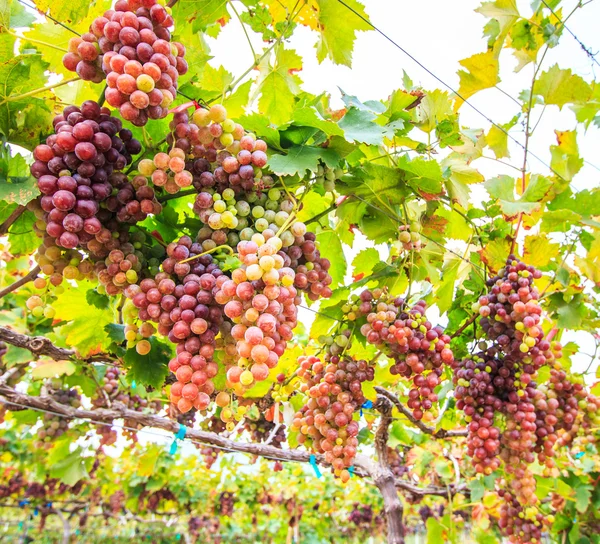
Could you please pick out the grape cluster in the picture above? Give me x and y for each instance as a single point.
(520, 524)
(511, 417)
(226, 503)
(132, 45)
(260, 429)
(326, 177)
(187, 314)
(409, 237)
(54, 426)
(335, 392)
(74, 169)
(418, 349)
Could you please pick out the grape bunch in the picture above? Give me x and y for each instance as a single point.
(334, 389)
(409, 237)
(226, 503)
(260, 430)
(520, 524)
(167, 170)
(418, 349)
(54, 426)
(326, 177)
(74, 169)
(132, 45)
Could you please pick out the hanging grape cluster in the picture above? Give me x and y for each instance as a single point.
(511, 417)
(419, 350)
(131, 47)
(334, 388)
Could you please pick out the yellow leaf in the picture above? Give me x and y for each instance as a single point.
(497, 140)
(434, 108)
(281, 9)
(482, 73)
(539, 250)
(495, 253)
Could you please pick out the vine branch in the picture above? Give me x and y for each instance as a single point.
(17, 212)
(33, 273)
(441, 433)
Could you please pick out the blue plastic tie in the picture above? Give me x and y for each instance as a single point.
(20, 525)
(351, 471)
(180, 435)
(35, 511)
(133, 384)
(579, 455)
(367, 404)
(177, 536)
(23, 503)
(77, 531)
(313, 462)
(48, 505)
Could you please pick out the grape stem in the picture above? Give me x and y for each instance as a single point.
(224, 246)
(287, 223)
(33, 273)
(322, 214)
(167, 197)
(102, 96)
(15, 97)
(465, 325)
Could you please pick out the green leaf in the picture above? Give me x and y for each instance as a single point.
(482, 73)
(435, 531)
(477, 489)
(115, 332)
(331, 248)
(19, 16)
(262, 127)
(497, 140)
(422, 174)
(21, 236)
(200, 14)
(278, 85)
(359, 126)
(309, 117)
(559, 220)
(434, 108)
(337, 30)
(364, 262)
(501, 188)
(69, 469)
(150, 369)
(559, 86)
(97, 300)
(74, 10)
(237, 102)
(300, 159)
(16, 183)
(444, 289)
(85, 330)
(582, 497)
(23, 121)
(570, 313)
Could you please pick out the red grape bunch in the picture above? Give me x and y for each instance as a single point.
(418, 349)
(74, 169)
(334, 387)
(132, 45)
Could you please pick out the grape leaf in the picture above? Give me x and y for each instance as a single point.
(337, 28)
(69, 468)
(359, 126)
(539, 250)
(278, 84)
(559, 86)
(502, 187)
(150, 369)
(302, 158)
(16, 183)
(310, 117)
(85, 330)
(21, 236)
(50, 369)
(482, 73)
(364, 262)
(566, 161)
(73, 10)
(331, 248)
(422, 174)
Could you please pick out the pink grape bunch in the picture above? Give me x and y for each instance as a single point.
(132, 45)
(334, 388)
(419, 349)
